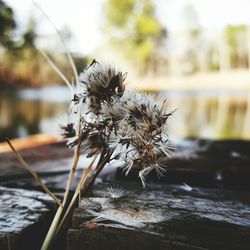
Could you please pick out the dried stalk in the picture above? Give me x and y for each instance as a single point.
(83, 180)
(57, 70)
(71, 61)
(50, 235)
(72, 171)
(33, 173)
(100, 165)
(85, 184)
(56, 221)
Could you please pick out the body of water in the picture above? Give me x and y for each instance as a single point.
(216, 114)
(32, 111)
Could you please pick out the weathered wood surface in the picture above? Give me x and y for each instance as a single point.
(52, 162)
(24, 218)
(162, 217)
(46, 160)
(205, 163)
(196, 162)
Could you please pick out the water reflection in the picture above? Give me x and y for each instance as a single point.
(218, 115)
(206, 114)
(26, 112)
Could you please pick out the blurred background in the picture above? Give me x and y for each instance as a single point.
(196, 53)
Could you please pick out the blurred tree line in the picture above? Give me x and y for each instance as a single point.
(134, 29)
(226, 49)
(236, 38)
(21, 63)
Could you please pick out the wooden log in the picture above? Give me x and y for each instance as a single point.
(196, 162)
(24, 218)
(205, 163)
(161, 217)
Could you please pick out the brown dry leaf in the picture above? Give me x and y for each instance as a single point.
(91, 224)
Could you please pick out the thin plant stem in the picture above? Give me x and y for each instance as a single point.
(62, 41)
(50, 235)
(85, 183)
(33, 173)
(57, 70)
(57, 220)
(73, 169)
(101, 164)
(9, 242)
(84, 177)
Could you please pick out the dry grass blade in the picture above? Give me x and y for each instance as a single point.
(57, 70)
(72, 170)
(62, 41)
(33, 173)
(85, 175)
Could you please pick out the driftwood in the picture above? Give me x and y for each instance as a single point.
(162, 217)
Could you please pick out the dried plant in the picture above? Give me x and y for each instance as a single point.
(106, 118)
(107, 122)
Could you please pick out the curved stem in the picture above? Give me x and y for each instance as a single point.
(62, 41)
(33, 173)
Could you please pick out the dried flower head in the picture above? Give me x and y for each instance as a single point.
(144, 134)
(102, 82)
(128, 125)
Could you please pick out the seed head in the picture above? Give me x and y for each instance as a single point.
(102, 82)
(104, 117)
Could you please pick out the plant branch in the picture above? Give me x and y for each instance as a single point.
(33, 173)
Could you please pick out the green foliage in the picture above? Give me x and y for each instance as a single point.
(235, 37)
(117, 12)
(133, 27)
(231, 32)
(25, 66)
(20, 62)
(30, 35)
(7, 25)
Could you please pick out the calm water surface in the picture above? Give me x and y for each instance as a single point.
(206, 114)
(32, 111)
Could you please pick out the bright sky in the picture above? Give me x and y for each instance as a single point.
(84, 17)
